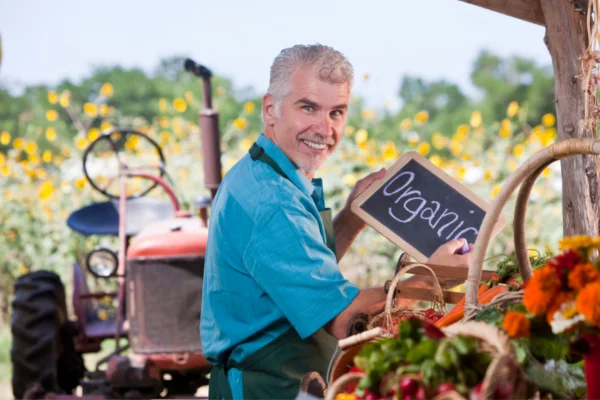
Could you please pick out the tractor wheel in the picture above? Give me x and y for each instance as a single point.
(43, 351)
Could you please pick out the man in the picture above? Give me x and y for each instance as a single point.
(272, 285)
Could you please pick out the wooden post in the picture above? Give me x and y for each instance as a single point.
(566, 38)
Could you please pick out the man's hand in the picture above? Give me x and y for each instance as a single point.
(360, 187)
(446, 254)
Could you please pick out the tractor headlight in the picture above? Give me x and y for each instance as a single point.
(102, 262)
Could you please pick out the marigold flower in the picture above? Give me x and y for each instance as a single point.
(423, 148)
(422, 117)
(516, 324)
(588, 303)
(575, 242)
(541, 289)
(513, 109)
(582, 275)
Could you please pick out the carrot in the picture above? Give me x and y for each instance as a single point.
(458, 311)
(489, 295)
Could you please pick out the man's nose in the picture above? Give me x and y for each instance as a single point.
(325, 125)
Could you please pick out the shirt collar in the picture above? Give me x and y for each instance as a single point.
(292, 172)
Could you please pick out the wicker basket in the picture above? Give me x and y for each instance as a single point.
(385, 318)
(504, 365)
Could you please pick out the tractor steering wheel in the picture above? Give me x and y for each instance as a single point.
(103, 158)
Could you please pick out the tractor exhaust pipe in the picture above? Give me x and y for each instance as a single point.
(208, 120)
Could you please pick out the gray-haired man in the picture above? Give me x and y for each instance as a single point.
(272, 286)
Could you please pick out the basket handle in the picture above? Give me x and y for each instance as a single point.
(392, 289)
(535, 163)
(338, 385)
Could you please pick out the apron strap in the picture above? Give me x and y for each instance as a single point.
(258, 153)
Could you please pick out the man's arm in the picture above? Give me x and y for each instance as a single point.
(346, 224)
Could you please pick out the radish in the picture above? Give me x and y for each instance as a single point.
(409, 386)
(476, 393)
(445, 387)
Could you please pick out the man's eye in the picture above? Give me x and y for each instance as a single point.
(308, 108)
(337, 113)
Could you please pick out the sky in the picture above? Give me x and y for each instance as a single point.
(45, 42)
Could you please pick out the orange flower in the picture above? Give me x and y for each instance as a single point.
(582, 275)
(558, 300)
(516, 324)
(541, 289)
(588, 303)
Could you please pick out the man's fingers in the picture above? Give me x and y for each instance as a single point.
(370, 179)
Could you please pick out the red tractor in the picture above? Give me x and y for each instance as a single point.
(158, 270)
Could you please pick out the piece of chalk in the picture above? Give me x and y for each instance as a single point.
(464, 249)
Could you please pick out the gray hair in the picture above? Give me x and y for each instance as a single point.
(331, 65)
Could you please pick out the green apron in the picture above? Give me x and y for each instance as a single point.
(275, 371)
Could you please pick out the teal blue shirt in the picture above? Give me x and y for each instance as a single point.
(267, 268)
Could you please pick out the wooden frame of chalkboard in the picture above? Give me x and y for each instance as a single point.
(369, 207)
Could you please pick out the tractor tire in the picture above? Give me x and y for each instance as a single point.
(43, 352)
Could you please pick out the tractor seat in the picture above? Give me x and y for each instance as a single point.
(86, 310)
(103, 218)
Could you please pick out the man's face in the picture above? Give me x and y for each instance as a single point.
(311, 119)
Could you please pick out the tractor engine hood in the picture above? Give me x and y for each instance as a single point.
(170, 238)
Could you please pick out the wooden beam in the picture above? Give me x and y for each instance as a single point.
(527, 10)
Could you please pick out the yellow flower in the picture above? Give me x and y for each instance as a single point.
(487, 175)
(22, 270)
(466, 156)
(9, 196)
(106, 90)
(548, 137)
(461, 133)
(93, 134)
(504, 133)
(350, 179)
(575, 242)
(240, 123)
(366, 76)
(422, 117)
(45, 191)
(424, 148)
(245, 144)
(476, 119)
(548, 120)
(405, 124)
(164, 122)
(5, 138)
(164, 136)
(105, 126)
(456, 148)
(5, 170)
(361, 136)
(52, 97)
(389, 151)
(189, 97)
(81, 143)
(47, 156)
(220, 91)
(439, 141)
(50, 134)
(249, 107)
(370, 160)
(65, 99)
(513, 109)
(80, 183)
(90, 109)
(41, 174)
(518, 150)
(104, 110)
(495, 190)
(51, 115)
(30, 147)
(349, 130)
(132, 142)
(546, 172)
(368, 115)
(18, 143)
(436, 160)
(2, 159)
(163, 105)
(179, 105)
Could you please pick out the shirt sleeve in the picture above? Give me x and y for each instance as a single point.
(288, 258)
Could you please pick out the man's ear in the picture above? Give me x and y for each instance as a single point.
(268, 109)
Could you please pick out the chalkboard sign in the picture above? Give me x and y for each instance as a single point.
(419, 207)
